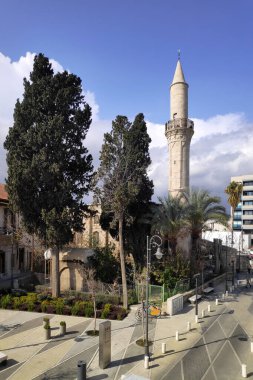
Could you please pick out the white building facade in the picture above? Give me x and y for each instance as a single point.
(243, 216)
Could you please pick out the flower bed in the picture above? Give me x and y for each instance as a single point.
(43, 302)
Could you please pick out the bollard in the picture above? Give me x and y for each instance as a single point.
(163, 348)
(188, 326)
(177, 335)
(251, 346)
(203, 313)
(233, 288)
(226, 293)
(244, 370)
(81, 370)
(146, 362)
(209, 307)
(196, 318)
(216, 302)
(223, 296)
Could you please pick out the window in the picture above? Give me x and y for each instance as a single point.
(2, 262)
(237, 215)
(237, 224)
(247, 212)
(248, 183)
(248, 193)
(95, 239)
(247, 221)
(96, 219)
(247, 203)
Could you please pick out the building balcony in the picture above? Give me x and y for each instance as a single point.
(179, 123)
(247, 217)
(247, 197)
(247, 187)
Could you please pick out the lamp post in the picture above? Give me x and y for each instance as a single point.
(233, 273)
(47, 256)
(153, 241)
(226, 285)
(196, 276)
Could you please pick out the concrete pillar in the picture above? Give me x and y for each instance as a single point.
(244, 370)
(163, 348)
(188, 326)
(146, 362)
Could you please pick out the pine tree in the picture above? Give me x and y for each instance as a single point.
(49, 169)
(123, 181)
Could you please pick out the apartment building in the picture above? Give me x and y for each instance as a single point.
(243, 216)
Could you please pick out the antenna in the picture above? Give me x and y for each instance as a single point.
(178, 54)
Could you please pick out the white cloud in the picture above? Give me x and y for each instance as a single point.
(11, 88)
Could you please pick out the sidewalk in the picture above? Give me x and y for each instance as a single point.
(214, 349)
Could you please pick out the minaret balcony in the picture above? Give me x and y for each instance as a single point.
(179, 123)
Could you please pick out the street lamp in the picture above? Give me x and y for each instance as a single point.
(47, 256)
(196, 276)
(233, 272)
(226, 285)
(153, 241)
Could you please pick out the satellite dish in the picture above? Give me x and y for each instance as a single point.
(48, 254)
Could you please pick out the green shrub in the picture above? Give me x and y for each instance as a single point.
(44, 305)
(6, 301)
(106, 310)
(89, 312)
(62, 323)
(76, 308)
(30, 306)
(59, 305)
(31, 297)
(16, 302)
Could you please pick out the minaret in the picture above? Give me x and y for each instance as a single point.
(179, 131)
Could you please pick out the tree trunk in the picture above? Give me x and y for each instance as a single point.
(95, 313)
(232, 230)
(55, 274)
(122, 264)
(32, 255)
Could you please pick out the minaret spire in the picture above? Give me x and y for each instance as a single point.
(179, 131)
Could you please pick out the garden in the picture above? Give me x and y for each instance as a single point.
(70, 303)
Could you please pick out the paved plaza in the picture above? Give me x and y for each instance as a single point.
(214, 349)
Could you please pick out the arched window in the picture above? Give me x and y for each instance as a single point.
(96, 219)
(2, 262)
(95, 239)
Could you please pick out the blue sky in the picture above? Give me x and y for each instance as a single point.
(125, 52)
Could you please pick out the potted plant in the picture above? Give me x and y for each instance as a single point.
(47, 331)
(45, 321)
(62, 327)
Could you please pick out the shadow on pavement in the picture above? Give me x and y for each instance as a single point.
(131, 359)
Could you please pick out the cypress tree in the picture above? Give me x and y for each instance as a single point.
(49, 168)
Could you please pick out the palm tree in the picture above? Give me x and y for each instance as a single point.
(169, 220)
(234, 191)
(201, 207)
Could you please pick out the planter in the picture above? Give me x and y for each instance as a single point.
(62, 329)
(47, 333)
